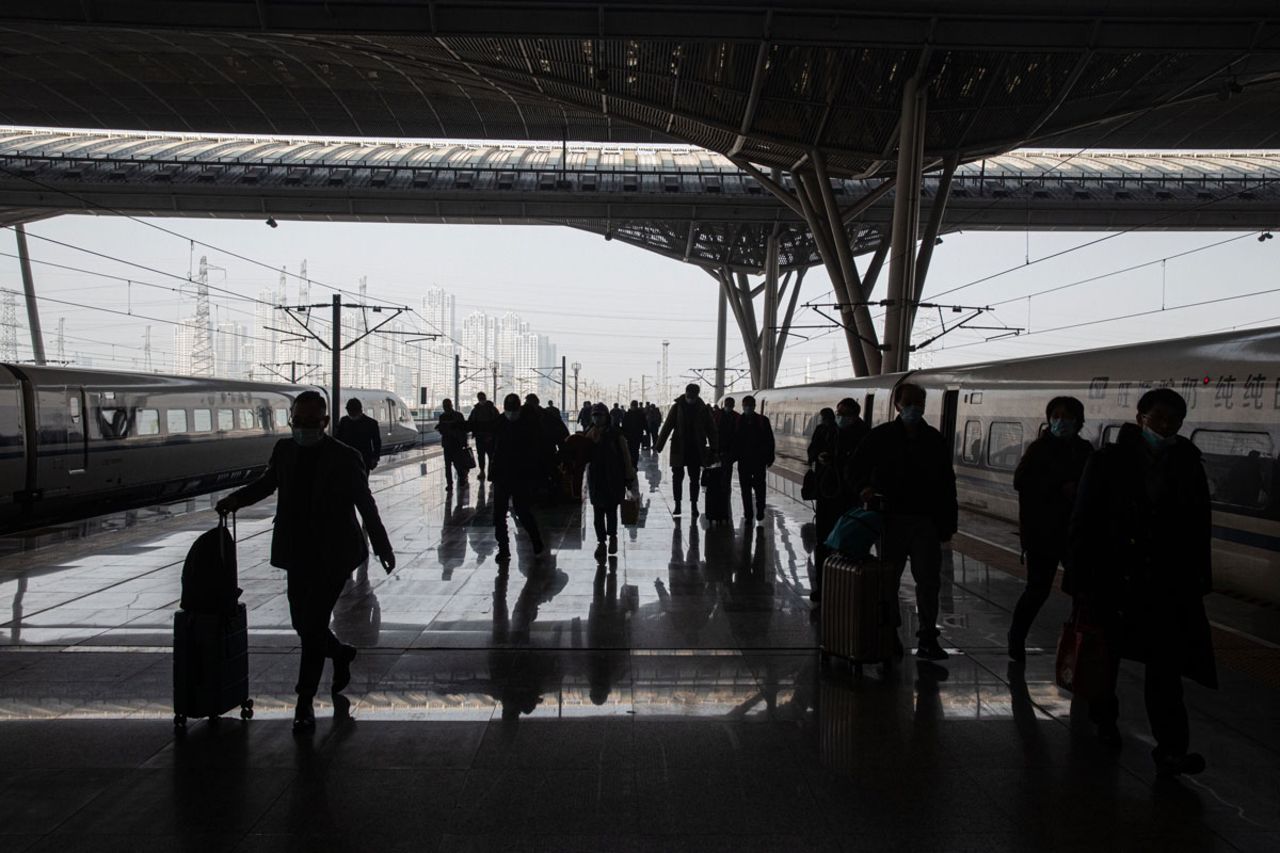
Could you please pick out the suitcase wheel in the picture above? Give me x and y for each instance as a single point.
(246, 710)
(179, 721)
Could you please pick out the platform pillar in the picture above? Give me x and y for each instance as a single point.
(29, 288)
(906, 226)
(722, 331)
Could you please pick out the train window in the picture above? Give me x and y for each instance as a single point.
(175, 421)
(282, 417)
(869, 408)
(1004, 445)
(73, 407)
(226, 420)
(203, 420)
(247, 420)
(1110, 434)
(1240, 465)
(146, 422)
(971, 451)
(113, 422)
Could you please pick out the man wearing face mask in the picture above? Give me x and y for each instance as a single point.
(831, 451)
(690, 420)
(316, 538)
(1140, 546)
(516, 471)
(1046, 481)
(908, 462)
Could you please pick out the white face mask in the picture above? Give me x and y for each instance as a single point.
(512, 416)
(308, 437)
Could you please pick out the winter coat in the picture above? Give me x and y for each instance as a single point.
(453, 432)
(482, 421)
(681, 419)
(1045, 480)
(633, 423)
(584, 417)
(1140, 545)
(753, 441)
(616, 414)
(318, 526)
(726, 426)
(610, 471)
(839, 443)
(553, 426)
(364, 435)
(913, 473)
(520, 451)
(653, 419)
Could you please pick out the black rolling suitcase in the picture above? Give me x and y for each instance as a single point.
(857, 610)
(210, 633)
(715, 480)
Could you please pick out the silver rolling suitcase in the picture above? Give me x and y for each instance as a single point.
(857, 611)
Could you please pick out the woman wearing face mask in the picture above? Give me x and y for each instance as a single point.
(609, 475)
(1046, 481)
(1140, 545)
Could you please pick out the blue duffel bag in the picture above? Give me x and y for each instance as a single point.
(855, 532)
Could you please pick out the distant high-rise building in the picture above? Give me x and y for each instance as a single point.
(228, 350)
(439, 311)
(527, 347)
(185, 335)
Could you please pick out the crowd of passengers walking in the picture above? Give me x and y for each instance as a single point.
(1130, 523)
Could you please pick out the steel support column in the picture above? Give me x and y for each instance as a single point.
(29, 288)
(906, 222)
(769, 327)
(335, 348)
(722, 331)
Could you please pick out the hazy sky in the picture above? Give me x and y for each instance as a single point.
(609, 305)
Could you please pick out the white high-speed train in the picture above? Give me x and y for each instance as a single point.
(77, 443)
(991, 412)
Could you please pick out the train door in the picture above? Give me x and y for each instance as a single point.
(61, 438)
(950, 406)
(389, 428)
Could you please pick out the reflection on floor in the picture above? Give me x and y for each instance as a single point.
(670, 700)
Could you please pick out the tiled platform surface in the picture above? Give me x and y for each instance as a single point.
(675, 704)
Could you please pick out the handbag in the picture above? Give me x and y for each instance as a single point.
(630, 511)
(468, 459)
(1082, 663)
(809, 486)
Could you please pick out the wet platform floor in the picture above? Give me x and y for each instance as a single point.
(673, 703)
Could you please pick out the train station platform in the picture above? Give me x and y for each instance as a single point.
(674, 704)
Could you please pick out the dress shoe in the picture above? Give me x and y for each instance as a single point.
(342, 668)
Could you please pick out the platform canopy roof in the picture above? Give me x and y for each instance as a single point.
(769, 81)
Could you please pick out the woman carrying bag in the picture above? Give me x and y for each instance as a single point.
(609, 475)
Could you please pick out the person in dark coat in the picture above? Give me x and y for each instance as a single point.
(837, 436)
(690, 419)
(754, 450)
(653, 421)
(360, 431)
(726, 421)
(584, 416)
(908, 462)
(481, 423)
(633, 429)
(552, 433)
(516, 472)
(1046, 480)
(453, 440)
(1140, 547)
(616, 414)
(609, 475)
(316, 539)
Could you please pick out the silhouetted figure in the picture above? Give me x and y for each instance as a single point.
(726, 420)
(609, 476)
(361, 432)
(1046, 481)
(482, 421)
(754, 450)
(1140, 546)
(316, 539)
(653, 423)
(690, 420)
(616, 414)
(517, 466)
(606, 633)
(908, 462)
(633, 428)
(553, 426)
(584, 416)
(837, 436)
(453, 440)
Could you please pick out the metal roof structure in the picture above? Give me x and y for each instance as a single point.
(769, 81)
(685, 203)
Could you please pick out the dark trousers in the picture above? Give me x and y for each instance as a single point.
(1162, 694)
(751, 480)
(1042, 568)
(606, 520)
(677, 481)
(453, 462)
(312, 595)
(484, 452)
(915, 538)
(646, 439)
(516, 498)
(633, 445)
